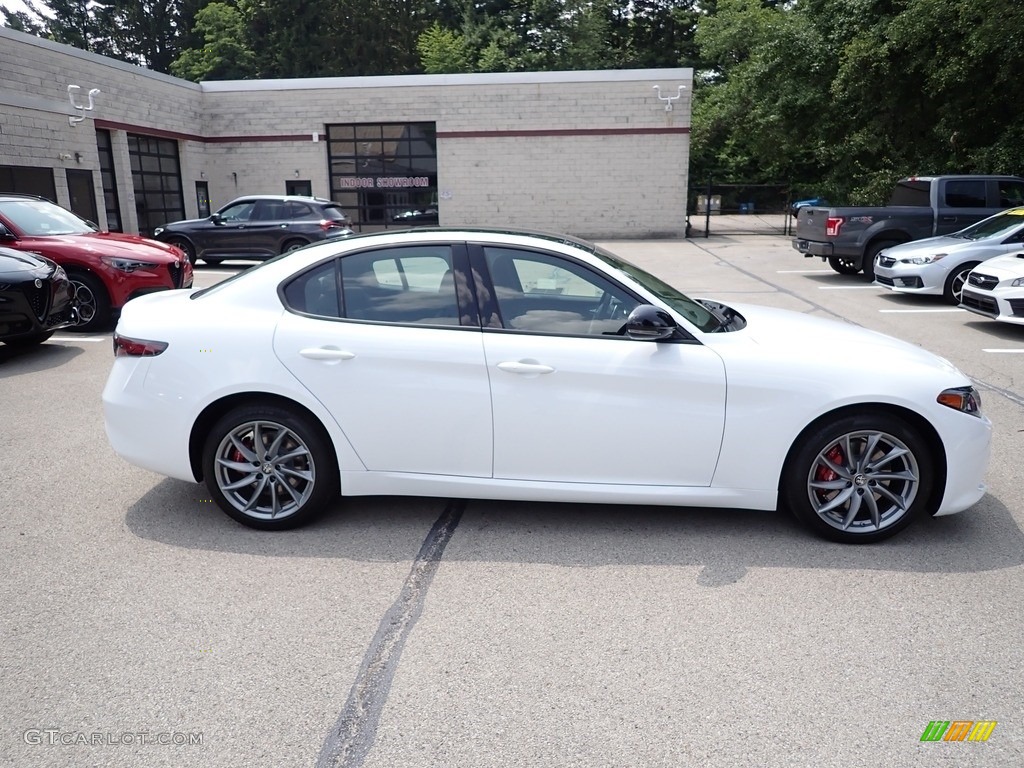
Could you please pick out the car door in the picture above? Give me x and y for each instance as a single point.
(962, 203)
(267, 229)
(389, 342)
(573, 399)
(224, 236)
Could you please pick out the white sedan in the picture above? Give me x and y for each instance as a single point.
(996, 289)
(494, 365)
(940, 265)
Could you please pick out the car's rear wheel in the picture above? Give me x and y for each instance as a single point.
(859, 479)
(269, 468)
(293, 245)
(29, 341)
(844, 265)
(954, 287)
(91, 300)
(185, 246)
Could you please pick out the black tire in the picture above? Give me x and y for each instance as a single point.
(310, 469)
(954, 286)
(92, 301)
(844, 265)
(29, 341)
(869, 256)
(823, 498)
(292, 245)
(213, 262)
(186, 248)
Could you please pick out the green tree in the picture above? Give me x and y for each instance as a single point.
(223, 53)
(443, 51)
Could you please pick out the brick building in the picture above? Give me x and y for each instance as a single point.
(596, 154)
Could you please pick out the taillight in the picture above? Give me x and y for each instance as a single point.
(833, 225)
(327, 224)
(126, 347)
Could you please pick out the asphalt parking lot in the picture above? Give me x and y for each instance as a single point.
(142, 627)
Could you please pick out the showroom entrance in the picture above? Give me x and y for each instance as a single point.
(384, 174)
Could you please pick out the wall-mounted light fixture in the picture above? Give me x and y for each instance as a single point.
(78, 157)
(296, 173)
(82, 108)
(669, 99)
(64, 156)
(234, 176)
(202, 174)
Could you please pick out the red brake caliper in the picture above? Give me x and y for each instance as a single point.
(824, 475)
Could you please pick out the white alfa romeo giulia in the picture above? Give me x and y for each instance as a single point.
(495, 365)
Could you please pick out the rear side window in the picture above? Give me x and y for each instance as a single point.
(332, 213)
(915, 192)
(413, 284)
(315, 292)
(965, 194)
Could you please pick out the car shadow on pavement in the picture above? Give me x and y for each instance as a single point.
(1004, 331)
(18, 360)
(725, 542)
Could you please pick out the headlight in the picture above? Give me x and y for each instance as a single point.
(59, 273)
(964, 399)
(127, 265)
(157, 231)
(924, 259)
(1017, 283)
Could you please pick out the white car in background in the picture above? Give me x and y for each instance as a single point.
(996, 289)
(940, 265)
(485, 364)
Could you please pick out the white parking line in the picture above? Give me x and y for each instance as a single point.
(1005, 351)
(847, 287)
(93, 339)
(803, 271)
(920, 311)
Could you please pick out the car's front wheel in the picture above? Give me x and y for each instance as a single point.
(859, 479)
(954, 287)
(185, 247)
(269, 468)
(91, 301)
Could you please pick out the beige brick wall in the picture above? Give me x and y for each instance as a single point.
(611, 185)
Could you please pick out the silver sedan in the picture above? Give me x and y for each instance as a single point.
(940, 265)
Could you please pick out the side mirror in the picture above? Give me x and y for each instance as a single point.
(216, 219)
(6, 234)
(649, 323)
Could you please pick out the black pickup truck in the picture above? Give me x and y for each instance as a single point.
(920, 206)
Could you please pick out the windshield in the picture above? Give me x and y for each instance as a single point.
(696, 313)
(39, 218)
(1001, 223)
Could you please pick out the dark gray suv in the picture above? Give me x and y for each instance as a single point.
(257, 227)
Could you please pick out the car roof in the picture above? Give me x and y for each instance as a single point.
(21, 196)
(482, 232)
(304, 198)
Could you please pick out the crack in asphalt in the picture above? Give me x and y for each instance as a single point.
(353, 735)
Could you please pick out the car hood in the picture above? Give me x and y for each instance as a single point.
(16, 264)
(801, 338)
(1005, 267)
(105, 244)
(932, 245)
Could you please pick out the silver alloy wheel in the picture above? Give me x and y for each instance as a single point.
(85, 300)
(265, 470)
(863, 482)
(957, 284)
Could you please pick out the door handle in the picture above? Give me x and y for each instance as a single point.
(525, 368)
(326, 353)
(947, 218)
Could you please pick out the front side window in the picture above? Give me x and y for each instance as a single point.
(544, 293)
(1011, 193)
(995, 225)
(238, 212)
(413, 284)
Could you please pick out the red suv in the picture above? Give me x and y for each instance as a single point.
(106, 269)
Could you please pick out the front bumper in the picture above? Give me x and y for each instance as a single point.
(910, 278)
(1005, 305)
